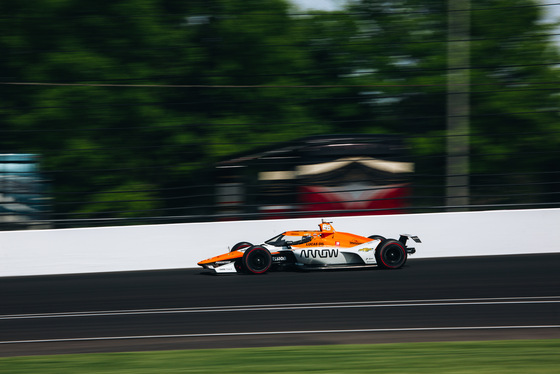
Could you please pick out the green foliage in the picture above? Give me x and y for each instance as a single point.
(522, 356)
(237, 74)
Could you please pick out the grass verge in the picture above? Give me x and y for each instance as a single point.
(519, 356)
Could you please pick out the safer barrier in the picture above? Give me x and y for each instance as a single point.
(173, 246)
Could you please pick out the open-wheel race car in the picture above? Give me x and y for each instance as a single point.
(314, 249)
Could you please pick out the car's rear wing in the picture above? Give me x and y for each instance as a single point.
(404, 238)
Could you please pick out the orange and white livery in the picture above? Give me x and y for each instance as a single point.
(313, 249)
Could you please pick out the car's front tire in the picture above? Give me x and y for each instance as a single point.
(390, 254)
(256, 260)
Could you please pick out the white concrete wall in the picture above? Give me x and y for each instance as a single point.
(172, 246)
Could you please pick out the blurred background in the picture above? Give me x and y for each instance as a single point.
(161, 111)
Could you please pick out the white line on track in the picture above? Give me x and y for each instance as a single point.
(257, 333)
(270, 307)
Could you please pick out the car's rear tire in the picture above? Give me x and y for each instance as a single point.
(390, 254)
(256, 260)
(376, 237)
(241, 245)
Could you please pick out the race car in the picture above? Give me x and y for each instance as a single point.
(313, 249)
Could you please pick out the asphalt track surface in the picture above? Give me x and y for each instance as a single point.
(479, 298)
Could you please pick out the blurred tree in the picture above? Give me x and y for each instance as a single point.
(94, 139)
(135, 148)
(230, 75)
(514, 77)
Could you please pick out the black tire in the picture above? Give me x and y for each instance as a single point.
(240, 245)
(390, 254)
(376, 237)
(256, 260)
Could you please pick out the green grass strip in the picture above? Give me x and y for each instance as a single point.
(519, 356)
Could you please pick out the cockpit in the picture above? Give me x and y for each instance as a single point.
(288, 240)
